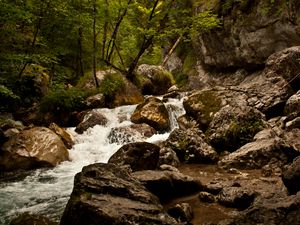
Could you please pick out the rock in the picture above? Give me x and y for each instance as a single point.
(292, 106)
(234, 126)
(190, 146)
(259, 153)
(95, 101)
(130, 133)
(107, 194)
(275, 211)
(168, 156)
(152, 112)
(293, 124)
(33, 148)
(291, 176)
(236, 197)
(3, 137)
(28, 219)
(91, 119)
(292, 137)
(63, 134)
(206, 197)
(185, 122)
(182, 212)
(250, 32)
(139, 156)
(158, 79)
(167, 185)
(172, 94)
(202, 106)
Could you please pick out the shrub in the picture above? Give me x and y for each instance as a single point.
(112, 84)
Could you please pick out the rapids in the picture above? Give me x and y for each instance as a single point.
(46, 191)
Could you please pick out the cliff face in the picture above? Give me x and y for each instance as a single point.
(250, 31)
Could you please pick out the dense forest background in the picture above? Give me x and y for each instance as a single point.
(53, 44)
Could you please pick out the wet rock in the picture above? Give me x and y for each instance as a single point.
(168, 156)
(33, 148)
(185, 122)
(64, 135)
(260, 153)
(234, 126)
(236, 197)
(168, 184)
(190, 146)
(28, 219)
(138, 156)
(182, 212)
(107, 194)
(152, 112)
(206, 197)
(91, 119)
(291, 177)
(157, 79)
(292, 106)
(130, 133)
(95, 101)
(202, 106)
(275, 211)
(172, 94)
(295, 123)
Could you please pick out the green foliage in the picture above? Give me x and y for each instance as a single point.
(112, 84)
(8, 99)
(61, 99)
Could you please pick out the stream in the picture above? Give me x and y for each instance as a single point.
(46, 191)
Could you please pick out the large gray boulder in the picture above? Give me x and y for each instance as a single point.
(33, 148)
(152, 112)
(107, 194)
(138, 156)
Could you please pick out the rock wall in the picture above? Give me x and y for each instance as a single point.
(250, 31)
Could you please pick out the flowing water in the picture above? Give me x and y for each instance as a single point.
(46, 191)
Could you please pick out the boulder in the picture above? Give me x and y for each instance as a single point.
(182, 212)
(291, 176)
(91, 119)
(236, 197)
(130, 133)
(206, 197)
(202, 106)
(28, 219)
(138, 156)
(259, 153)
(234, 126)
(95, 101)
(185, 122)
(293, 124)
(292, 137)
(155, 79)
(63, 134)
(107, 194)
(152, 112)
(292, 106)
(167, 185)
(190, 146)
(168, 157)
(275, 211)
(33, 148)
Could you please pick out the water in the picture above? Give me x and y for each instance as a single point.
(46, 191)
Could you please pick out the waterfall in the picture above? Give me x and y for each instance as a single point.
(46, 191)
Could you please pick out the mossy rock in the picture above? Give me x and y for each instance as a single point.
(202, 106)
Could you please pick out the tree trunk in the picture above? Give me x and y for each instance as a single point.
(95, 46)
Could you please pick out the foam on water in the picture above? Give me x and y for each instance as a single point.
(46, 191)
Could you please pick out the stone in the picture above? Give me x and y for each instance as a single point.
(168, 157)
(257, 154)
(107, 194)
(152, 112)
(206, 197)
(63, 134)
(33, 148)
(293, 104)
(130, 133)
(91, 119)
(234, 126)
(167, 185)
(182, 212)
(236, 197)
(95, 101)
(190, 146)
(138, 156)
(291, 176)
(29, 219)
(292, 137)
(185, 122)
(293, 124)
